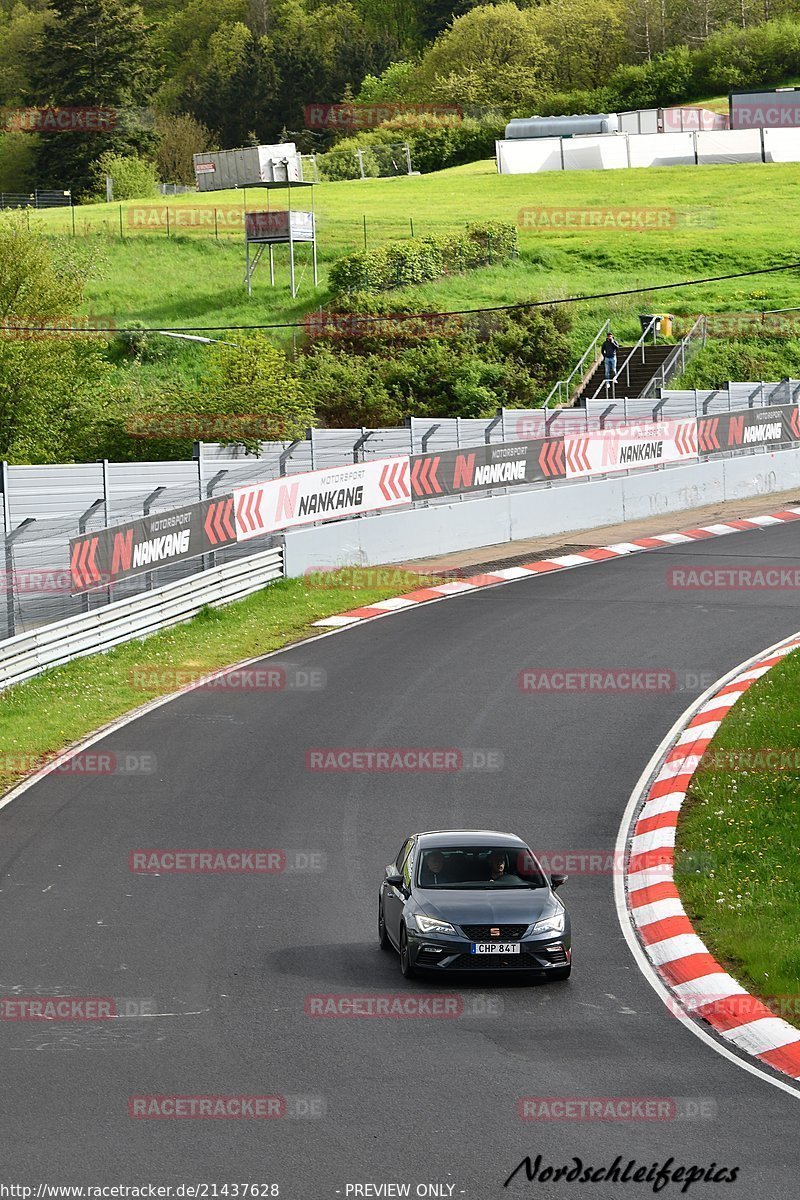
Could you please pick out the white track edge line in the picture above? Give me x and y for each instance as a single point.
(623, 915)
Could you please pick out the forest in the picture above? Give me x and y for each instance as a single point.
(204, 74)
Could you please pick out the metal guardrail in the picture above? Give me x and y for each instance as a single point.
(566, 384)
(29, 654)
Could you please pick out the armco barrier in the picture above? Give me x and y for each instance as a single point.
(432, 527)
(476, 521)
(31, 653)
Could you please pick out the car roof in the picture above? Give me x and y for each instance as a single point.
(466, 837)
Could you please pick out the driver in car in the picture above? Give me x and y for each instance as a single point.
(432, 868)
(497, 865)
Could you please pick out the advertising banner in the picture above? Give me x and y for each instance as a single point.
(765, 110)
(321, 496)
(502, 464)
(778, 425)
(101, 558)
(628, 446)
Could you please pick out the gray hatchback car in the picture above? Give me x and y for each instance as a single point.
(458, 900)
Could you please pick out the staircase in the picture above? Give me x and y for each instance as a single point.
(641, 369)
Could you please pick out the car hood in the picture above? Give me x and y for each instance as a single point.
(511, 906)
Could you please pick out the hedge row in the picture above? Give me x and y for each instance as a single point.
(419, 260)
(435, 143)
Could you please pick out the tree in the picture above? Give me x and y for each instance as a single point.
(492, 56)
(253, 379)
(20, 32)
(95, 55)
(588, 41)
(179, 137)
(50, 386)
(238, 94)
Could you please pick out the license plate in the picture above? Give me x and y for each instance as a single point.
(495, 948)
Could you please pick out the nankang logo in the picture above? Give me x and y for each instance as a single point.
(506, 472)
(764, 433)
(157, 549)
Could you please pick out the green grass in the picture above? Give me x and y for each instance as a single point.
(42, 716)
(738, 847)
(728, 218)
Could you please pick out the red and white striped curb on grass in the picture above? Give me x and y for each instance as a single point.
(699, 985)
(425, 595)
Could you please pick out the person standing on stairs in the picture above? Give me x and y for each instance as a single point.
(609, 350)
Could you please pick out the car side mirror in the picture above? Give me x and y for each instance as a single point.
(395, 881)
(557, 880)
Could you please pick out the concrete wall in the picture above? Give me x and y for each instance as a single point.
(564, 508)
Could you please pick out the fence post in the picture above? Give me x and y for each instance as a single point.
(146, 506)
(360, 154)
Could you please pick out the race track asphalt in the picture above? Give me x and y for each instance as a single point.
(227, 961)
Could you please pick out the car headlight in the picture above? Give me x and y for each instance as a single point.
(432, 924)
(554, 924)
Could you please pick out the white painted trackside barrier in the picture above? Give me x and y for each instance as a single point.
(31, 653)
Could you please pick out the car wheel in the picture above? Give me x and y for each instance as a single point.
(560, 973)
(406, 968)
(383, 937)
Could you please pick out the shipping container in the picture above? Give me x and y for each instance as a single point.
(219, 169)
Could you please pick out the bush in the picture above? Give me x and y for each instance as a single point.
(133, 178)
(343, 163)
(434, 142)
(398, 264)
(469, 369)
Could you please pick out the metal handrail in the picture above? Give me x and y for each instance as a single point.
(681, 351)
(652, 324)
(565, 383)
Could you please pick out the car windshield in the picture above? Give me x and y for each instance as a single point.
(479, 867)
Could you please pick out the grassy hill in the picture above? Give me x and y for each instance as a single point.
(708, 220)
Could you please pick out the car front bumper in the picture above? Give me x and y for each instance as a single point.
(444, 954)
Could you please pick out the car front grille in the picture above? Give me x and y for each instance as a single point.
(483, 933)
(491, 962)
